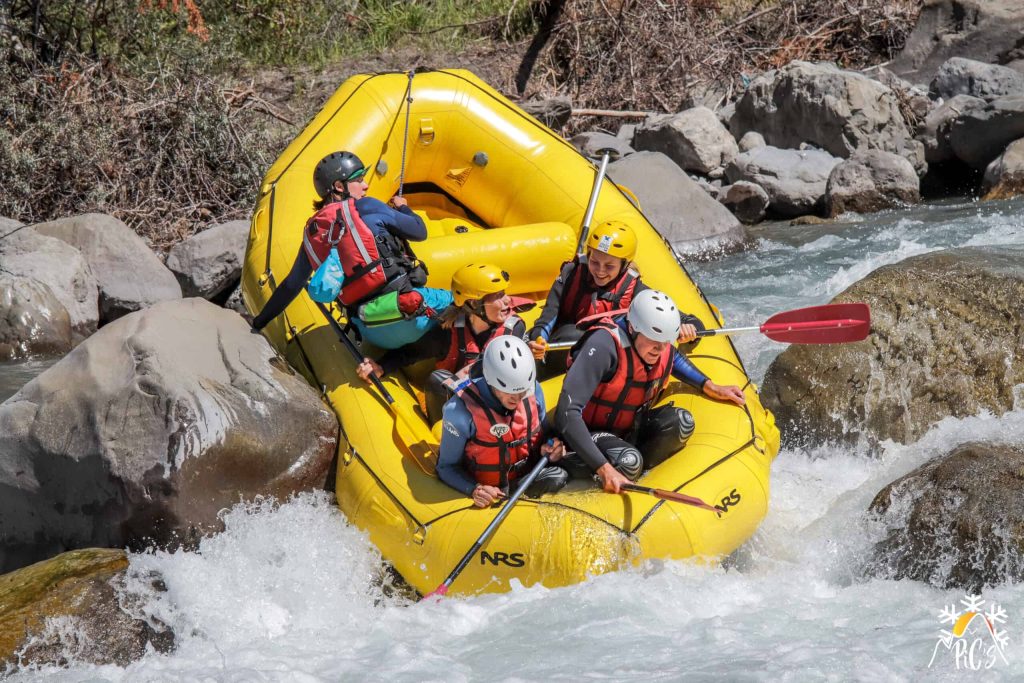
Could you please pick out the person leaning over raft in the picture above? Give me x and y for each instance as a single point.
(617, 370)
(338, 178)
(602, 280)
(485, 311)
(493, 428)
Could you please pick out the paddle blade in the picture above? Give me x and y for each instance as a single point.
(828, 324)
(438, 592)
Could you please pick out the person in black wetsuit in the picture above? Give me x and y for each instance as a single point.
(617, 372)
(341, 176)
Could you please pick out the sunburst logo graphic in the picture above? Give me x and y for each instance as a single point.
(974, 638)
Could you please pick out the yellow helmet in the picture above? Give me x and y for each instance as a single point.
(614, 238)
(477, 280)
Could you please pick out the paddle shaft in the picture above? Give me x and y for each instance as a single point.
(673, 496)
(491, 528)
(592, 204)
(350, 345)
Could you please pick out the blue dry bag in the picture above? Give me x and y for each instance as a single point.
(327, 280)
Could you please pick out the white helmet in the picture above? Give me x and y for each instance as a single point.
(509, 365)
(654, 315)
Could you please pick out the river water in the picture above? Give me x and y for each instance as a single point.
(292, 593)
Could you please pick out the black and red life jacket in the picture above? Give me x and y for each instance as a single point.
(495, 455)
(581, 298)
(373, 264)
(634, 386)
(463, 350)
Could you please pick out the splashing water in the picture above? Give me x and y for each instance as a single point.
(291, 592)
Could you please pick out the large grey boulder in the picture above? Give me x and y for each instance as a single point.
(678, 208)
(946, 340)
(935, 132)
(795, 180)
(835, 110)
(957, 521)
(980, 135)
(959, 76)
(77, 605)
(25, 253)
(871, 180)
(591, 143)
(983, 30)
(32, 321)
(747, 200)
(1004, 177)
(695, 139)
(129, 274)
(209, 263)
(147, 429)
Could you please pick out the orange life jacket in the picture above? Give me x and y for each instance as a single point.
(496, 453)
(615, 403)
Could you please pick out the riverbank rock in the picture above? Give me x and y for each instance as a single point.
(794, 180)
(128, 273)
(835, 110)
(980, 135)
(553, 113)
(957, 521)
(959, 76)
(32, 321)
(69, 607)
(751, 140)
(24, 253)
(209, 264)
(148, 429)
(591, 143)
(984, 30)
(748, 201)
(935, 132)
(946, 339)
(695, 139)
(871, 180)
(1004, 177)
(679, 209)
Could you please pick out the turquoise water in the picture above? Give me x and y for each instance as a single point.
(292, 593)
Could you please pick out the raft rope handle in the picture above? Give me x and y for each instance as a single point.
(405, 137)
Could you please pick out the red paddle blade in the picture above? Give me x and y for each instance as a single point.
(438, 592)
(828, 324)
(681, 498)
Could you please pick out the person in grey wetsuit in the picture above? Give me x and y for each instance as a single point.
(617, 372)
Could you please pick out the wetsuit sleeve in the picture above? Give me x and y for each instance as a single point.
(595, 363)
(549, 316)
(434, 344)
(519, 330)
(456, 431)
(683, 369)
(286, 291)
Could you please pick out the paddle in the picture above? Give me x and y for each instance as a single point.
(606, 154)
(491, 528)
(418, 433)
(826, 324)
(673, 496)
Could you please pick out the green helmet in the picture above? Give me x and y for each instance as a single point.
(343, 166)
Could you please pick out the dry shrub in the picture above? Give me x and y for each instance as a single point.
(164, 153)
(658, 56)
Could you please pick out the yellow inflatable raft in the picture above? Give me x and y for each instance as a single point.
(495, 185)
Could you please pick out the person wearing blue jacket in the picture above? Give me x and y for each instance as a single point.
(341, 176)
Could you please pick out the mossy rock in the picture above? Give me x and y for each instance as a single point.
(68, 609)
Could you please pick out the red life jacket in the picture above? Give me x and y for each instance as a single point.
(370, 263)
(463, 350)
(493, 455)
(581, 298)
(633, 387)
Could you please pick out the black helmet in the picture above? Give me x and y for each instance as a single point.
(343, 166)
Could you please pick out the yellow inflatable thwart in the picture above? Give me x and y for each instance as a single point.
(496, 186)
